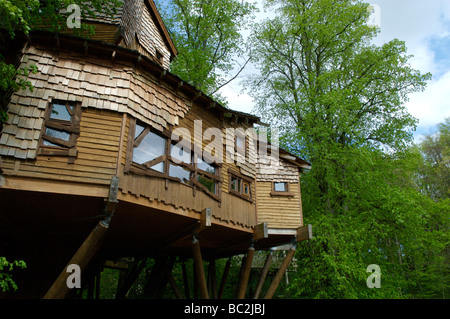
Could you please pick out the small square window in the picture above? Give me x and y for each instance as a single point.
(61, 129)
(280, 187)
(246, 189)
(239, 185)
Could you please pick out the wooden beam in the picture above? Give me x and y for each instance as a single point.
(263, 275)
(212, 278)
(111, 201)
(198, 266)
(185, 281)
(205, 219)
(82, 257)
(126, 284)
(173, 284)
(223, 282)
(280, 273)
(157, 277)
(242, 287)
(261, 231)
(196, 96)
(304, 233)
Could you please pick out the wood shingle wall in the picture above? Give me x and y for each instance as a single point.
(100, 84)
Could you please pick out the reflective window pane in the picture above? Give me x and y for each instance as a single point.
(139, 129)
(151, 147)
(59, 112)
(280, 187)
(181, 154)
(246, 189)
(239, 142)
(47, 143)
(158, 167)
(57, 134)
(183, 174)
(205, 166)
(234, 184)
(207, 182)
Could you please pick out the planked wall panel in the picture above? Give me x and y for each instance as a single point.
(279, 211)
(97, 153)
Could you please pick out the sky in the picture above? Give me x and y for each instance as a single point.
(424, 25)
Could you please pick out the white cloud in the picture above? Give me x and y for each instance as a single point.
(432, 105)
(237, 100)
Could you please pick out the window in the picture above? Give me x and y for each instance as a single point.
(159, 57)
(207, 176)
(61, 129)
(281, 189)
(239, 185)
(154, 154)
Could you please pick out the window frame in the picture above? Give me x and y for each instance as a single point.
(286, 192)
(168, 160)
(242, 180)
(72, 127)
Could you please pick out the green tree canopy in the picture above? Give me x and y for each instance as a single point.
(340, 102)
(436, 168)
(207, 34)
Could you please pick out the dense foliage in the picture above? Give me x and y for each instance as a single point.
(341, 103)
(208, 37)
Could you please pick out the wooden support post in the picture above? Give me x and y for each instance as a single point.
(89, 247)
(97, 284)
(242, 288)
(173, 284)
(156, 278)
(212, 278)
(82, 257)
(280, 273)
(129, 280)
(198, 265)
(185, 281)
(223, 282)
(205, 219)
(263, 275)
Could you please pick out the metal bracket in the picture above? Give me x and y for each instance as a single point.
(111, 201)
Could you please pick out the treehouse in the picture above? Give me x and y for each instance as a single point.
(112, 156)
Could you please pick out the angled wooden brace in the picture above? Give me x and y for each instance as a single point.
(88, 248)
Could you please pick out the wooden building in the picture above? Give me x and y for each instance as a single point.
(111, 156)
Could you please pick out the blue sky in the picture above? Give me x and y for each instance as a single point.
(425, 27)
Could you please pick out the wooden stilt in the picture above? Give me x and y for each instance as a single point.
(242, 288)
(263, 275)
(276, 281)
(223, 282)
(194, 270)
(82, 257)
(198, 264)
(156, 277)
(129, 280)
(212, 278)
(186, 282)
(173, 284)
(97, 284)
